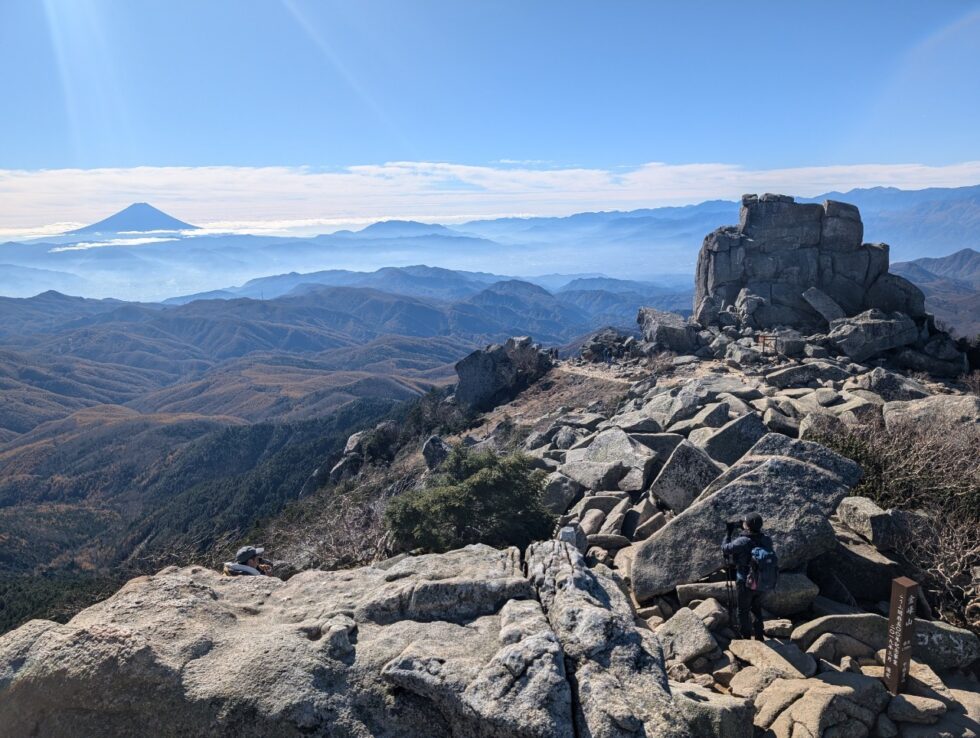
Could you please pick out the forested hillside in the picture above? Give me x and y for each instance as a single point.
(134, 434)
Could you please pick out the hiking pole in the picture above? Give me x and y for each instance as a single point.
(729, 579)
(730, 590)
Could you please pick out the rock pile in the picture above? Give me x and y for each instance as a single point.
(621, 627)
(796, 264)
(383, 435)
(493, 375)
(610, 344)
(648, 489)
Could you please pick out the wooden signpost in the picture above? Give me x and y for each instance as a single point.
(901, 630)
(767, 342)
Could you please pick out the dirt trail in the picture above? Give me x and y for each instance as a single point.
(613, 373)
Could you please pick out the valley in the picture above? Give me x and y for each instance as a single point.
(133, 434)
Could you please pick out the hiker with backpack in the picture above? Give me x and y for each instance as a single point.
(756, 570)
(248, 562)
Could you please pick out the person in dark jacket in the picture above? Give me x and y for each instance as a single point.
(738, 548)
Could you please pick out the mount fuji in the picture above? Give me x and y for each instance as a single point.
(139, 217)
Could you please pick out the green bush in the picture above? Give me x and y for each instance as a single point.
(475, 498)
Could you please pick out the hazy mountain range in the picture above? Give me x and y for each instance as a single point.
(952, 288)
(144, 254)
(118, 413)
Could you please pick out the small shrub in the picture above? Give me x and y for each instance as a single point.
(945, 548)
(476, 498)
(972, 382)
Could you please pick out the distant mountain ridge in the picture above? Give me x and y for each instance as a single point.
(425, 281)
(952, 288)
(140, 217)
(403, 228)
(648, 244)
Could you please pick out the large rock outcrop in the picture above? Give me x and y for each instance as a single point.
(456, 644)
(795, 485)
(618, 669)
(189, 652)
(493, 375)
(765, 269)
(667, 330)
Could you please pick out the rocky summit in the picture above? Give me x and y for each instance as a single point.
(622, 624)
(800, 272)
(802, 264)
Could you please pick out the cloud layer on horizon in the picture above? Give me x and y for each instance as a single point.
(305, 199)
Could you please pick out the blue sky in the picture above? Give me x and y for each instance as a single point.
(180, 86)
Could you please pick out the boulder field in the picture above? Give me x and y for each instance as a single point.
(619, 627)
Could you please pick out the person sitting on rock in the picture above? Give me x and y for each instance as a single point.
(248, 562)
(755, 569)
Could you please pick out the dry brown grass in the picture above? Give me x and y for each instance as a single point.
(971, 382)
(353, 534)
(341, 526)
(931, 467)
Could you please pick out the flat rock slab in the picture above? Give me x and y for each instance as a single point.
(794, 498)
(619, 669)
(688, 471)
(685, 637)
(824, 304)
(595, 475)
(714, 415)
(712, 714)
(805, 374)
(908, 708)
(441, 645)
(730, 442)
(835, 703)
(637, 421)
(776, 444)
(890, 386)
(794, 594)
(763, 656)
(872, 332)
(190, 652)
(957, 408)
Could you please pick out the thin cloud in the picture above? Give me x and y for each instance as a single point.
(306, 199)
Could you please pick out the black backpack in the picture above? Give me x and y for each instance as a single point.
(763, 569)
